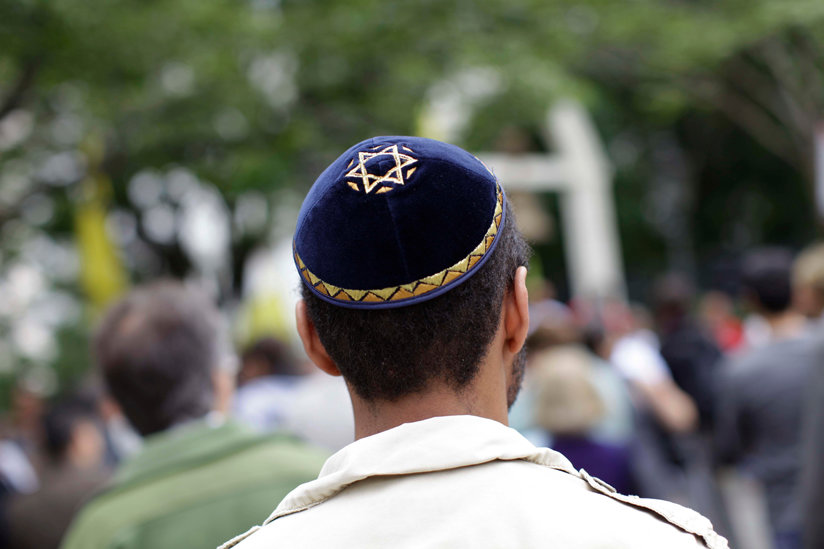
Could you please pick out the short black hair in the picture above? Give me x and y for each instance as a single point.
(276, 355)
(60, 422)
(157, 349)
(386, 354)
(766, 278)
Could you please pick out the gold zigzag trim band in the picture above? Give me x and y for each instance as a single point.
(418, 287)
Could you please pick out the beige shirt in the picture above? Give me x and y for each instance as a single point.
(465, 481)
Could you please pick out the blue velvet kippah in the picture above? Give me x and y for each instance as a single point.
(395, 221)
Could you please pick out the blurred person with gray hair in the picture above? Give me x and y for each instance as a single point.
(199, 478)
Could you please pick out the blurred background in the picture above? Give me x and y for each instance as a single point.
(140, 139)
(160, 138)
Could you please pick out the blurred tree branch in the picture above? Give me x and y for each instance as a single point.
(769, 90)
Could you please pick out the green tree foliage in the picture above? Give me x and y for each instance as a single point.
(209, 84)
(259, 95)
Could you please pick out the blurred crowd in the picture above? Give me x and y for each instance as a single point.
(701, 399)
(695, 397)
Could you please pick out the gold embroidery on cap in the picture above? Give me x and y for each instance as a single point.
(385, 293)
(418, 287)
(388, 180)
(357, 295)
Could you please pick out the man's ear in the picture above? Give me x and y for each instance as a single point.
(516, 312)
(311, 342)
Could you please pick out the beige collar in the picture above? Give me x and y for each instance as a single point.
(434, 444)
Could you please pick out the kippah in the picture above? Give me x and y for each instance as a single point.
(395, 221)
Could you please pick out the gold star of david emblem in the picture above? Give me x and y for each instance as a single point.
(387, 181)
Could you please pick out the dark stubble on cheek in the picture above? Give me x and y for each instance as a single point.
(517, 378)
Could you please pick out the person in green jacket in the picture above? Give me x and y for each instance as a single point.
(199, 478)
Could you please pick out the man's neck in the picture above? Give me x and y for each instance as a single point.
(378, 416)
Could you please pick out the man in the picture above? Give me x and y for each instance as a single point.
(414, 290)
(198, 478)
(278, 391)
(760, 395)
(692, 357)
(268, 379)
(73, 472)
(690, 354)
(808, 293)
(812, 472)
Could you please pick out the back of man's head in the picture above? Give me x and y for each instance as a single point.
(766, 280)
(406, 247)
(157, 349)
(386, 354)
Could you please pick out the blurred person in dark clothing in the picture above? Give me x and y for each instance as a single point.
(198, 478)
(73, 472)
(759, 405)
(693, 358)
(808, 290)
(690, 354)
(23, 428)
(20, 453)
(812, 473)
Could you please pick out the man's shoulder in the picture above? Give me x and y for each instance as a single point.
(494, 500)
(231, 449)
(682, 518)
(585, 498)
(235, 541)
(287, 453)
(772, 361)
(242, 477)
